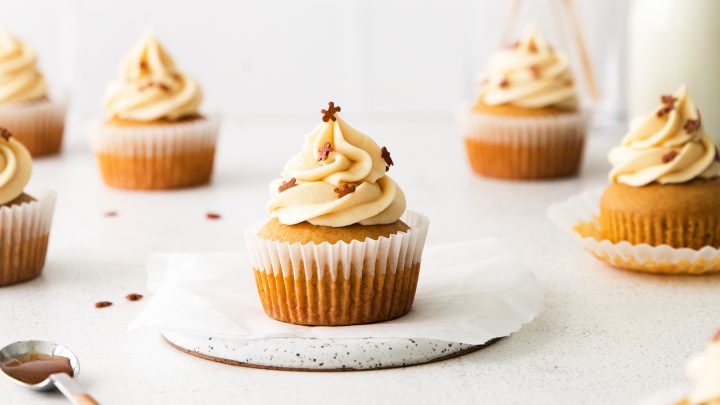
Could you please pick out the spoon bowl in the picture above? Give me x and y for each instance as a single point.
(43, 347)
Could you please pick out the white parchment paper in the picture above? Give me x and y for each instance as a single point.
(469, 292)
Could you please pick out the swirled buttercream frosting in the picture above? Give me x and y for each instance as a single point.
(668, 146)
(529, 74)
(15, 167)
(703, 370)
(20, 79)
(339, 178)
(150, 88)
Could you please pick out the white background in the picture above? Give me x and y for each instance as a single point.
(283, 59)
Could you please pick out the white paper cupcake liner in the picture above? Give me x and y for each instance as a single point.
(381, 256)
(38, 125)
(155, 140)
(24, 229)
(585, 208)
(520, 130)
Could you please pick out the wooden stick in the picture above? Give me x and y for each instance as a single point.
(510, 23)
(584, 56)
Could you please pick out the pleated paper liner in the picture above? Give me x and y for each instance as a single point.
(578, 216)
(39, 125)
(342, 283)
(156, 157)
(24, 232)
(524, 147)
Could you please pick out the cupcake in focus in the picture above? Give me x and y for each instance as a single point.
(26, 109)
(665, 180)
(24, 220)
(526, 122)
(339, 248)
(154, 137)
(703, 370)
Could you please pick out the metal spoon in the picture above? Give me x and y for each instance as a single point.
(66, 384)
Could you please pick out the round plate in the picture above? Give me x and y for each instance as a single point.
(298, 354)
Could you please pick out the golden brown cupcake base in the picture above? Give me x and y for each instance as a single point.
(22, 261)
(680, 215)
(305, 232)
(525, 162)
(340, 301)
(157, 172)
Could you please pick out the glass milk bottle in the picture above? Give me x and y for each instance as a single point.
(672, 42)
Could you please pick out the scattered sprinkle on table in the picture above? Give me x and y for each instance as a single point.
(213, 215)
(133, 297)
(103, 304)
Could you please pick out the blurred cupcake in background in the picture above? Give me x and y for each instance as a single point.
(26, 109)
(154, 137)
(526, 122)
(703, 370)
(24, 220)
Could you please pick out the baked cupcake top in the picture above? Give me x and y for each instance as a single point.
(339, 178)
(703, 370)
(15, 167)
(668, 146)
(20, 79)
(529, 74)
(150, 88)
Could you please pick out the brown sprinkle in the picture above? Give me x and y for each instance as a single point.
(134, 297)
(693, 125)
(532, 47)
(111, 214)
(287, 184)
(504, 83)
(344, 190)
(535, 70)
(329, 114)
(385, 154)
(325, 151)
(102, 304)
(717, 336)
(213, 215)
(164, 87)
(669, 157)
(668, 102)
(5, 134)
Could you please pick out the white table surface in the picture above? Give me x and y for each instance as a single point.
(606, 336)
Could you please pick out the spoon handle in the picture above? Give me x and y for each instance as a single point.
(72, 390)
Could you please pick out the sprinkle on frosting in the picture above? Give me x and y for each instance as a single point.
(344, 190)
(15, 167)
(329, 114)
(385, 154)
(324, 152)
(703, 370)
(529, 75)
(287, 184)
(349, 187)
(20, 79)
(150, 88)
(667, 148)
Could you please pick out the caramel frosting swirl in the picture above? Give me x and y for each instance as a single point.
(703, 370)
(530, 74)
(15, 167)
(338, 179)
(668, 146)
(20, 79)
(150, 88)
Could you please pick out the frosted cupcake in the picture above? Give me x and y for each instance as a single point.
(26, 109)
(337, 249)
(670, 163)
(24, 220)
(526, 123)
(155, 137)
(703, 370)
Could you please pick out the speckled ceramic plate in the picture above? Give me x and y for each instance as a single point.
(298, 354)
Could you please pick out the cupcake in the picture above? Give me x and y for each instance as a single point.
(339, 248)
(26, 109)
(154, 137)
(526, 123)
(665, 180)
(24, 220)
(703, 370)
